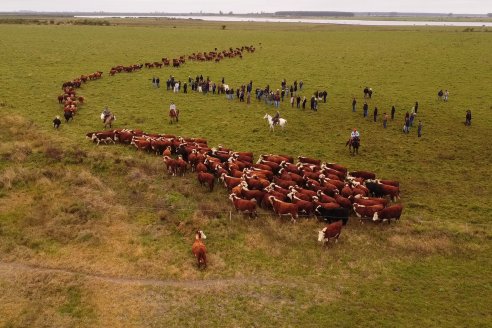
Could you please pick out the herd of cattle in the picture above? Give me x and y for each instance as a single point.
(70, 102)
(308, 188)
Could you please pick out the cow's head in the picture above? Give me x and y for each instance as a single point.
(201, 234)
(321, 235)
(375, 217)
(271, 199)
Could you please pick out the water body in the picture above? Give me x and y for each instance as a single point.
(308, 21)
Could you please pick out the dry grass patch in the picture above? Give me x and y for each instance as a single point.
(422, 245)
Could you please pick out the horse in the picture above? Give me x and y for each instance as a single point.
(173, 116)
(108, 119)
(353, 144)
(282, 122)
(199, 249)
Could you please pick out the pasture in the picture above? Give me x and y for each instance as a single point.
(101, 236)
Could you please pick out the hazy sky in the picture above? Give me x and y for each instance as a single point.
(246, 6)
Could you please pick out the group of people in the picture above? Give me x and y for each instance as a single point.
(409, 117)
(443, 95)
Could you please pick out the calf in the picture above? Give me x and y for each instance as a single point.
(388, 213)
(332, 230)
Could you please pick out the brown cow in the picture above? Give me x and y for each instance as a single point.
(244, 205)
(366, 211)
(332, 230)
(283, 208)
(199, 250)
(206, 178)
(388, 213)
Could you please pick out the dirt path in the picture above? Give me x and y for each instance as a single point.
(13, 268)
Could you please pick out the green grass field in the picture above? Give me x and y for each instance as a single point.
(101, 236)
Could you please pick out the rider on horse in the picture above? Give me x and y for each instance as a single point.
(172, 109)
(354, 134)
(276, 119)
(106, 112)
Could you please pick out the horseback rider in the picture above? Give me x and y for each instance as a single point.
(106, 113)
(354, 134)
(172, 109)
(276, 119)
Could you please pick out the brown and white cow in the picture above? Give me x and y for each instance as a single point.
(388, 213)
(332, 230)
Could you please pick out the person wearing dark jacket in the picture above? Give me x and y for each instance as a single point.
(375, 114)
(365, 108)
(56, 122)
(393, 110)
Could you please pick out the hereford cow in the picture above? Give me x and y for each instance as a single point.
(283, 208)
(332, 214)
(366, 211)
(332, 230)
(199, 250)
(388, 213)
(244, 205)
(206, 178)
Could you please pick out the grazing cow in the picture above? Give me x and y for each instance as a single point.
(366, 211)
(309, 160)
(283, 208)
(388, 213)
(244, 205)
(332, 214)
(332, 230)
(206, 178)
(199, 250)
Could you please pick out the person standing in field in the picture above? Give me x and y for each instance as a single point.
(446, 95)
(325, 94)
(292, 100)
(248, 98)
(304, 101)
(298, 101)
(157, 82)
(440, 94)
(412, 117)
(365, 109)
(375, 114)
(57, 122)
(393, 110)
(419, 129)
(153, 81)
(185, 87)
(385, 120)
(354, 103)
(301, 84)
(416, 107)
(468, 118)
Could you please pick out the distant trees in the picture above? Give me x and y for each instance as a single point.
(314, 13)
